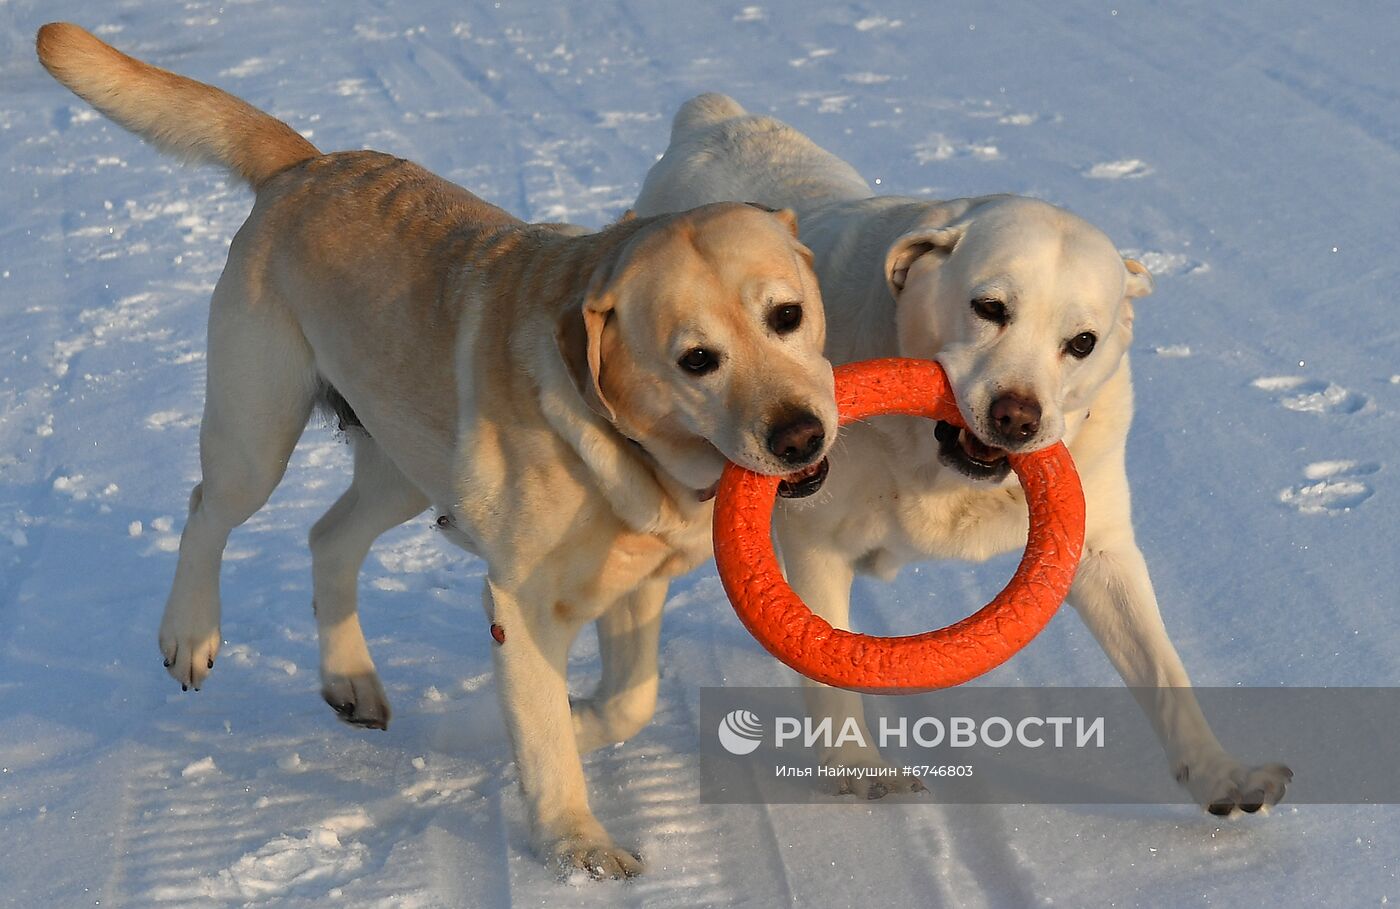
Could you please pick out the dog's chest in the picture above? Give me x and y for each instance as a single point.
(613, 566)
(958, 523)
(912, 507)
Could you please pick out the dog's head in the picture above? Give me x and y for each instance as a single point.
(704, 338)
(1028, 308)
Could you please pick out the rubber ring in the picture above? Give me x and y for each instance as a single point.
(943, 658)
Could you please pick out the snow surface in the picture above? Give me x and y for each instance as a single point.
(1249, 152)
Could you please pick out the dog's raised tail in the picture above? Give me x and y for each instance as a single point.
(703, 111)
(189, 119)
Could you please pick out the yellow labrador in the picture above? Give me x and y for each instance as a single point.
(1030, 311)
(566, 402)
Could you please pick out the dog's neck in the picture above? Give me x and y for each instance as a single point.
(643, 494)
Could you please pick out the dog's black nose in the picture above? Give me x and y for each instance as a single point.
(1016, 417)
(797, 437)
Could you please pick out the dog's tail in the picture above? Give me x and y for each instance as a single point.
(704, 111)
(189, 119)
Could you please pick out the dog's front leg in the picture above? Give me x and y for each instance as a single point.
(531, 660)
(1113, 595)
(628, 637)
(823, 578)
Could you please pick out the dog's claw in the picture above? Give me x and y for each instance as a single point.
(1228, 789)
(600, 863)
(1225, 806)
(361, 705)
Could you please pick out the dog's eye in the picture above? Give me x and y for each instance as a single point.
(992, 310)
(785, 319)
(1081, 345)
(698, 361)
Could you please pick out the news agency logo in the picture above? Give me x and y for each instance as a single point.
(740, 732)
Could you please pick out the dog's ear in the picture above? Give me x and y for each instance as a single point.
(904, 251)
(789, 219)
(579, 336)
(785, 215)
(1126, 316)
(1140, 282)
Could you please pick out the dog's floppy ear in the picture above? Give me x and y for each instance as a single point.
(909, 247)
(579, 335)
(1140, 282)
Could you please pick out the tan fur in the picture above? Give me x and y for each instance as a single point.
(180, 116)
(523, 379)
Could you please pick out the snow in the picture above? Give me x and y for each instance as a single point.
(1249, 153)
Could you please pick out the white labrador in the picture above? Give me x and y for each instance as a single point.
(565, 401)
(1030, 311)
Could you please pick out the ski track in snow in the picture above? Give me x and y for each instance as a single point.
(1250, 168)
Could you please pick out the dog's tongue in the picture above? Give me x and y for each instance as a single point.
(977, 451)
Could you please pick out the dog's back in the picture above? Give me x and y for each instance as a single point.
(720, 152)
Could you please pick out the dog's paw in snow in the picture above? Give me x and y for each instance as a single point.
(357, 699)
(1227, 788)
(594, 854)
(862, 772)
(188, 646)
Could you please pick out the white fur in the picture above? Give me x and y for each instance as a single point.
(898, 277)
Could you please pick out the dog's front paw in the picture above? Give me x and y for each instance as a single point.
(1226, 788)
(593, 854)
(862, 772)
(189, 649)
(357, 699)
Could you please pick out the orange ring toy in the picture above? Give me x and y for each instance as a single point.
(949, 656)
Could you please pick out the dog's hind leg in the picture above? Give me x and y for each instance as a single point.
(260, 384)
(379, 498)
(628, 636)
